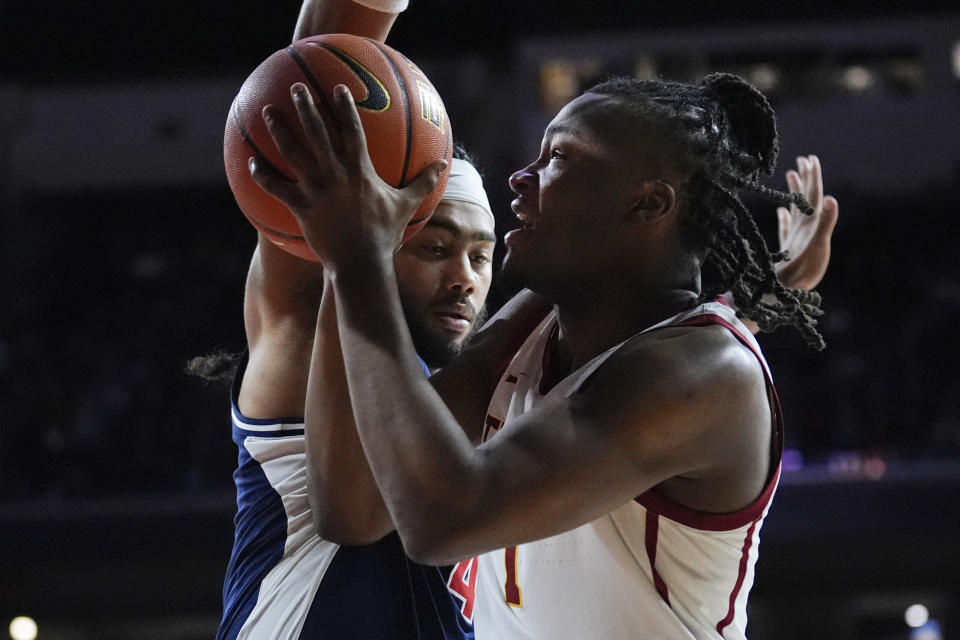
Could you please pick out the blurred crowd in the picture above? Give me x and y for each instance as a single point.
(103, 309)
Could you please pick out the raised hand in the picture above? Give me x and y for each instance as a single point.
(806, 238)
(344, 208)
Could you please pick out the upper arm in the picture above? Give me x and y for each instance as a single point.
(467, 383)
(281, 301)
(653, 412)
(282, 295)
(283, 292)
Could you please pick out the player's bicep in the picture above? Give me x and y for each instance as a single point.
(282, 290)
(572, 459)
(550, 470)
(281, 301)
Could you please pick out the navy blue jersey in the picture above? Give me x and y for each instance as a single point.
(284, 582)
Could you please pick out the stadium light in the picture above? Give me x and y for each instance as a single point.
(916, 615)
(23, 628)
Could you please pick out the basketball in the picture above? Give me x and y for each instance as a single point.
(402, 114)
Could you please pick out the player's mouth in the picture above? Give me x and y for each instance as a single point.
(527, 219)
(454, 318)
(528, 223)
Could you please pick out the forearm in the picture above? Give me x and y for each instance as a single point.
(344, 498)
(345, 16)
(424, 464)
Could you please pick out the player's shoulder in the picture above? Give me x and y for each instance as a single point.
(716, 342)
(685, 362)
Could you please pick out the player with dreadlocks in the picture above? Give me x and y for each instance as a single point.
(607, 446)
(718, 225)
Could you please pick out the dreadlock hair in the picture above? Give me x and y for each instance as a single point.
(721, 134)
(217, 368)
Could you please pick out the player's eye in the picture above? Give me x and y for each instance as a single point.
(556, 154)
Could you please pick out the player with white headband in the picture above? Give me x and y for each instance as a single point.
(284, 580)
(288, 577)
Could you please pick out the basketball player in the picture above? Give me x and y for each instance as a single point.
(284, 580)
(631, 436)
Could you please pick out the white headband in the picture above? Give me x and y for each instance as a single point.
(466, 185)
(384, 6)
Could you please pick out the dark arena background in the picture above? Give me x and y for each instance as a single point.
(124, 255)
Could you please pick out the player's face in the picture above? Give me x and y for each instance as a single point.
(444, 274)
(573, 197)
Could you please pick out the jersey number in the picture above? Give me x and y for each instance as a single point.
(463, 585)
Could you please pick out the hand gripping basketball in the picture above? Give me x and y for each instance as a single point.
(343, 207)
(401, 113)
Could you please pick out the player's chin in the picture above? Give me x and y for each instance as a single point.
(518, 267)
(438, 350)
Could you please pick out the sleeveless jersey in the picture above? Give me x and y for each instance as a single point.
(650, 569)
(284, 582)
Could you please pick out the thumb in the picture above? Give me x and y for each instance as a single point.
(426, 181)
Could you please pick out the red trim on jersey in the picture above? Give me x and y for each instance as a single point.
(741, 574)
(650, 541)
(656, 501)
(711, 318)
(511, 590)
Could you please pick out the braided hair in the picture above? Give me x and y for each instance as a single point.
(721, 134)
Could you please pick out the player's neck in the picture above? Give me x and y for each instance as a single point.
(587, 331)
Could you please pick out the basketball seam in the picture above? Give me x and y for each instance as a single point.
(314, 84)
(250, 143)
(407, 110)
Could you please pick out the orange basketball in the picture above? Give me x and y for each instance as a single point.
(402, 115)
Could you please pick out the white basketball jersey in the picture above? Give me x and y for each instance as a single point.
(650, 569)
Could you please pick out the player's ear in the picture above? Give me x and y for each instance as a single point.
(653, 200)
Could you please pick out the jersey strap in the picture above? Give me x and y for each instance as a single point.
(657, 502)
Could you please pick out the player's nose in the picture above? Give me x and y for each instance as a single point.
(460, 275)
(522, 180)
